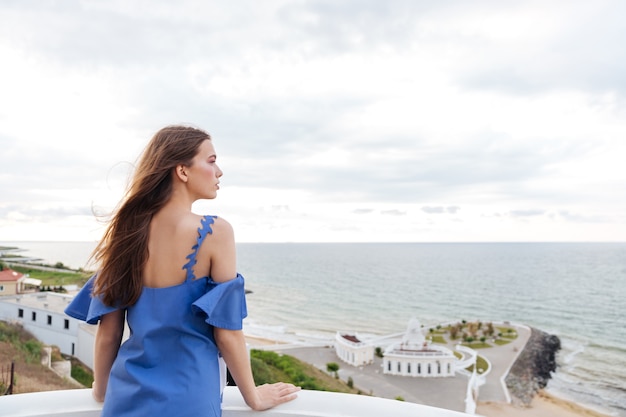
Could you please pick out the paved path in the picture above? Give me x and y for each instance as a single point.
(501, 358)
(443, 392)
(439, 392)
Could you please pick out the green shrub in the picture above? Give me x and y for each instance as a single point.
(262, 372)
(23, 340)
(332, 367)
(32, 349)
(379, 351)
(81, 374)
(270, 367)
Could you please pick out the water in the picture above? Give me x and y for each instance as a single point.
(71, 254)
(574, 290)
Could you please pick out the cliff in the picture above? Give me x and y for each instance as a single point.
(531, 371)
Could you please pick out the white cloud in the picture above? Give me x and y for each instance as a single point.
(455, 117)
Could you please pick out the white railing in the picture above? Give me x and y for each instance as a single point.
(79, 403)
(471, 360)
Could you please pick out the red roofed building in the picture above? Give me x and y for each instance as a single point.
(350, 349)
(10, 282)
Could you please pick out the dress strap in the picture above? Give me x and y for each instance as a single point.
(203, 230)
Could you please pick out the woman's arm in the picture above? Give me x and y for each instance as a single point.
(108, 339)
(231, 343)
(232, 346)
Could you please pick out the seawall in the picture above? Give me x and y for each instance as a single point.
(533, 367)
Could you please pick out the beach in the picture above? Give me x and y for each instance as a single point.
(543, 404)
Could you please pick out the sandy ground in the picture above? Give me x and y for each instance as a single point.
(253, 341)
(29, 377)
(543, 405)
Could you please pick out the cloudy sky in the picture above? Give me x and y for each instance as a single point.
(399, 120)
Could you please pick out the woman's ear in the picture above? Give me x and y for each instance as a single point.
(181, 172)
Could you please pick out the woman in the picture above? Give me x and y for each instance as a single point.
(172, 275)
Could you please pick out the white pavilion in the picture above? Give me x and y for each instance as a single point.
(351, 349)
(417, 357)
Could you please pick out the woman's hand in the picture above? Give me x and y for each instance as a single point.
(271, 395)
(96, 394)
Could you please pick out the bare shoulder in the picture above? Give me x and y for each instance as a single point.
(221, 253)
(222, 229)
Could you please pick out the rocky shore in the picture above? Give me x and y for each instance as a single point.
(531, 371)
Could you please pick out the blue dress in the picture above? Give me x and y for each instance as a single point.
(170, 365)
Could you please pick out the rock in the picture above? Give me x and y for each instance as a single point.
(62, 368)
(533, 367)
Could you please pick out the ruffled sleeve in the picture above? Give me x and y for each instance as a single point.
(224, 304)
(86, 307)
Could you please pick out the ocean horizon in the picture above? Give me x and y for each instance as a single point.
(300, 291)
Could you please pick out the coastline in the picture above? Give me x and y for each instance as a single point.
(576, 351)
(543, 404)
(254, 341)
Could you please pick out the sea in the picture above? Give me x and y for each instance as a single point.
(309, 291)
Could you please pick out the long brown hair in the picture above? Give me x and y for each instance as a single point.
(123, 249)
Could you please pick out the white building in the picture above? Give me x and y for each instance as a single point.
(350, 349)
(42, 314)
(415, 356)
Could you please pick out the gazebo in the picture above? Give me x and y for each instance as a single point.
(352, 350)
(417, 357)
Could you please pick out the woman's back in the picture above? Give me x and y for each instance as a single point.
(169, 244)
(170, 363)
